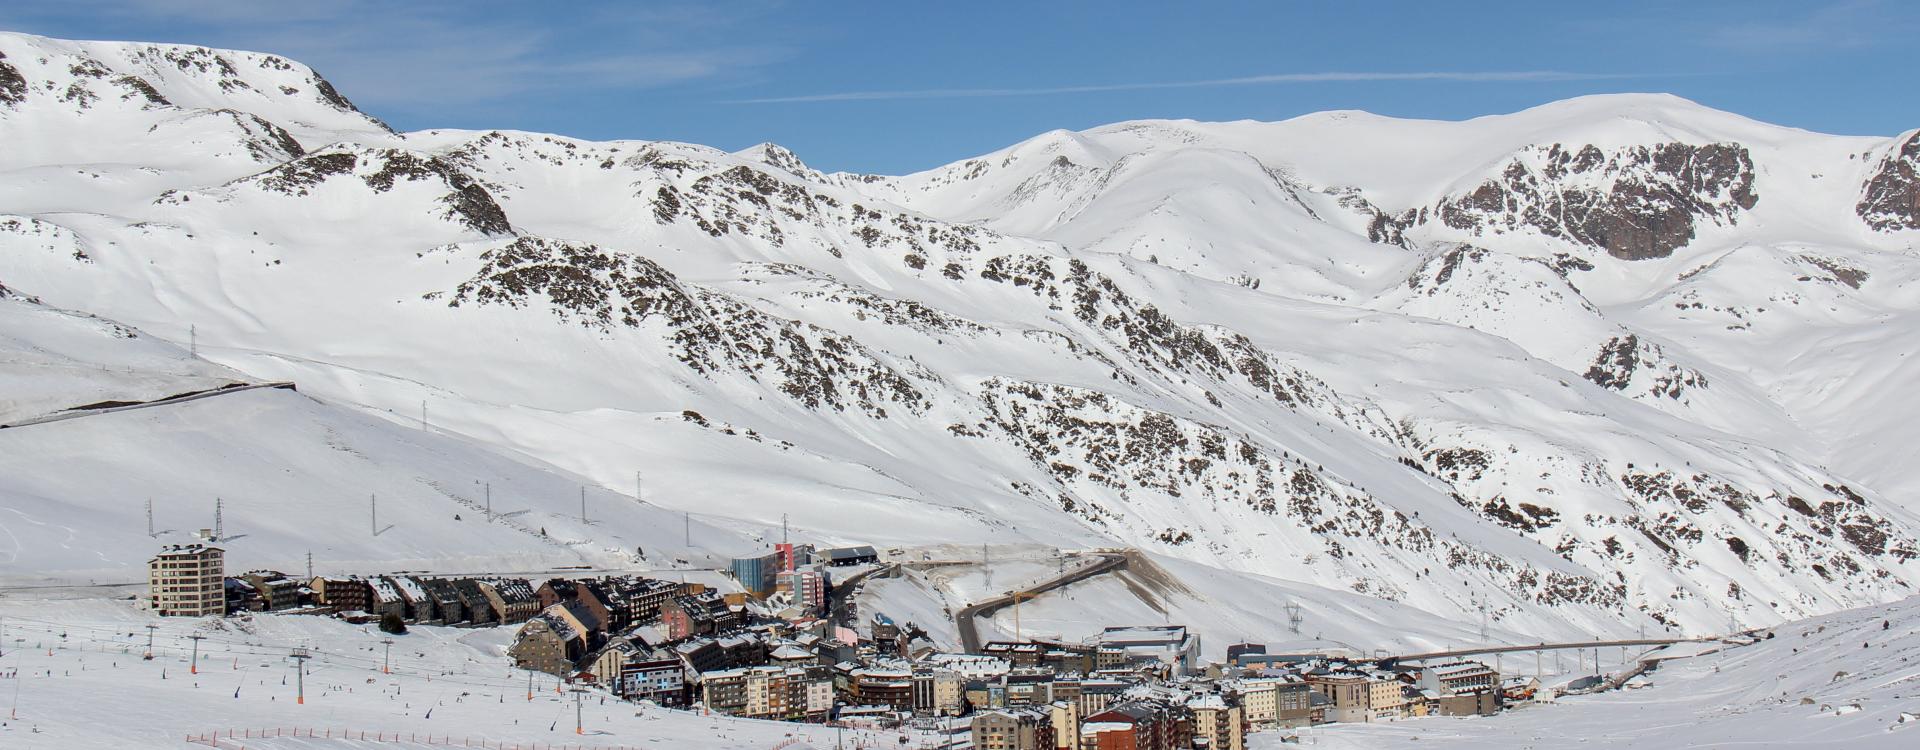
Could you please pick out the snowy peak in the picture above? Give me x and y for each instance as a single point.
(41, 72)
(778, 157)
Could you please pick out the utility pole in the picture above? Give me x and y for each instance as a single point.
(686, 519)
(423, 415)
(373, 514)
(300, 657)
(195, 667)
(149, 654)
(783, 529)
(386, 661)
(986, 563)
(149, 517)
(1293, 617)
(219, 523)
(639, 489)
(1482, 605)
(489, 486)
(309, 566)
(193, 340)
(579, 726)
(583, 504)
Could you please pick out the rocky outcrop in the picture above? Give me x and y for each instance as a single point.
(466, 202)
(1623, 358)
(707, 331)
(1636, 203)
(1891, 200)
(1096, 444)
(13, 86)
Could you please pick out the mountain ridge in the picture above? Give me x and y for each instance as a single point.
(1210, 352)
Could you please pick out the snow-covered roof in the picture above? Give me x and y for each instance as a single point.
(409, 587)
(383, 590)
(1459, 669)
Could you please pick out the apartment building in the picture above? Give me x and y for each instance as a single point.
(188, 581)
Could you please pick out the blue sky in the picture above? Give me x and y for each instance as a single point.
(900, 86)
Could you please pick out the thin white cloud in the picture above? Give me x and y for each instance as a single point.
(1510, 76)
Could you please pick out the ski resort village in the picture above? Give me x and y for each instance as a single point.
(794, 635)
(359, 413)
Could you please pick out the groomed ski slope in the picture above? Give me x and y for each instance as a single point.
(95, 692)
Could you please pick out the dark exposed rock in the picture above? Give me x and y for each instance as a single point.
(1564, 264)
(1382, 227)
(332, 96)
(708, 332)
(1622, 356)
(1891, 200)
(1528, 517)
(137, 86)
(274, 144)
(1838, 271)
(1449, 262)
(9, 294)
(13, 86)
(1636, 203)
(298, 177)
(467, 202)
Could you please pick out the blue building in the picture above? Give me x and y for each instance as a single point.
(757, 574)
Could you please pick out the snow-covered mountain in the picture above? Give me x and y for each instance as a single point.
(1609, 363)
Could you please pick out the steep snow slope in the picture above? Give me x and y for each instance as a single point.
(1243, 345)
(296, 476)
(57, 360)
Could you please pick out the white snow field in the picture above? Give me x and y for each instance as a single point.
(1846, 680)
(77, 679)
(1223, 607)
(1605, 365)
